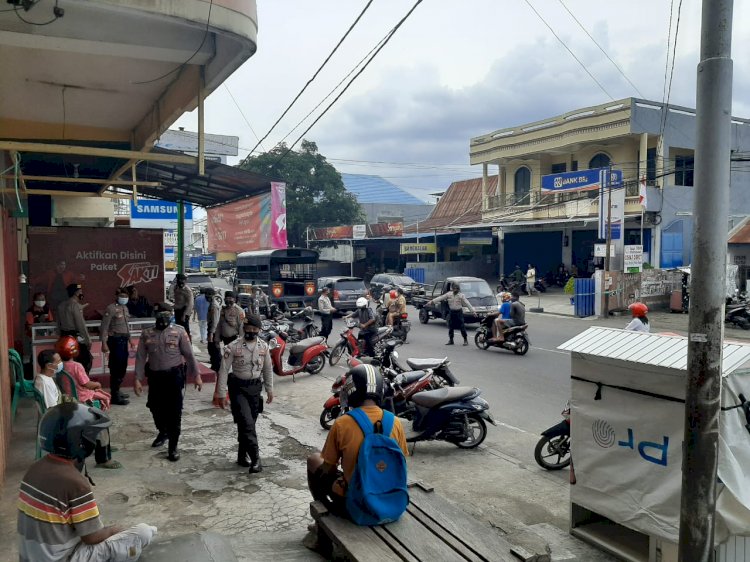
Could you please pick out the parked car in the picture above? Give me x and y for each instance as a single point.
(476, 291)
(387, 281)
(344, 291)
(196, 281)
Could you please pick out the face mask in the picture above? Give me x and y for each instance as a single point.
(122, 300)
(180, 283)
(162, 323)
(80, 297)
(455, 291)
(251, 335)
(40, 304)
(59, 367)
(229, 302)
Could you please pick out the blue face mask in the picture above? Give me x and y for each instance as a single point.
(122, 300)
(171, 320)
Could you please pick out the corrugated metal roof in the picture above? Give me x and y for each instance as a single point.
(461, 204)
(374, 189)
(648, 349)
(741, 233)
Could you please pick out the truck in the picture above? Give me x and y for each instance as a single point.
(476, 291)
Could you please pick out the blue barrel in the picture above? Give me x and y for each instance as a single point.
(416, 273)
(585, 290)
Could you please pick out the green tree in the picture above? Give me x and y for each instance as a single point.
(315, 193)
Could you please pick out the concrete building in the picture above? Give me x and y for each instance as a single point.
(383, 201)
(640, 138)
(82, 100)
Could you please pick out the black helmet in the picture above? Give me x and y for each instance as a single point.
(363, 382)
(70, 430)
(181, 277)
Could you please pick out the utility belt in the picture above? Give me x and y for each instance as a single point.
(74, 333)
(245, 382)
(179, 370)
(120, 336)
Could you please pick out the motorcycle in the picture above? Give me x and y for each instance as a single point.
(737, 314)
(401, 324)
(400, 387)
(308, 329)
(552, 452)
(540, 285)
(516, 338)
(457, 415)
(347, 344)
(442, 375)
(307, 355)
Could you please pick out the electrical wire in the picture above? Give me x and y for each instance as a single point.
(361, 70)
(601, 48)
(243, 116)
(310, 81)
(664, 109)
(568, 49)
(184, 64)
(20, 17)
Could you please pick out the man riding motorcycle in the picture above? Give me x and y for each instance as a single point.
(396, 306)
(501, 321)
(367, 326)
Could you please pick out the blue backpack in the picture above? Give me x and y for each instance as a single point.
(377, 491)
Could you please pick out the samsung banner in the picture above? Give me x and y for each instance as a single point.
(155, 213)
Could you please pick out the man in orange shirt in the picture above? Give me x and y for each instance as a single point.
(328, 483)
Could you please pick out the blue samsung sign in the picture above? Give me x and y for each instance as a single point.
(582, 180)
(156, 209)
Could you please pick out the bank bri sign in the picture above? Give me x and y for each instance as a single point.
(582, 180)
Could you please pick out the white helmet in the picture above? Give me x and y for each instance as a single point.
(361, 302)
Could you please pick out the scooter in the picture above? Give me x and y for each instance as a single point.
(307, 355)
(308, 329)
(738, 314)
(440, 367)
(401, 324)
(553, 449)
(515, 338)
(457, 415)
(347, 344)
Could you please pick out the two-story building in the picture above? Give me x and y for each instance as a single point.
(643, 139)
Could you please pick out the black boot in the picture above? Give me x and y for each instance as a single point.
(450, 342)
(243, 458)
(466, 342)
(174, 453)
(256, 465)
(160, 440)
(119, 400)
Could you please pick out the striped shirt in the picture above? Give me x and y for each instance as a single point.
(55, 509)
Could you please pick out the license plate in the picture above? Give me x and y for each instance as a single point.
(293, 305)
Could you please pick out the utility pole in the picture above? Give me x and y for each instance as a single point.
(608, 240)
(180, 250)
(706, 325)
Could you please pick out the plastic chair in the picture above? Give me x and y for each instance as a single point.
(67, 386)
(21, 387)
(41, 408)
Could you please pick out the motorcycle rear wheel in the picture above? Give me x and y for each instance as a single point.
(522, 346)
(439, 381)
(328, 416)
(424, 315)
(548, 449)
(480, 340)
(477, 433)
(316, 364)
(337, 353)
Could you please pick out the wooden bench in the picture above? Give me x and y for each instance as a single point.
(432, 529)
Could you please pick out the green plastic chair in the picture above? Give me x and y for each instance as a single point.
(67, 386)
(21, 387)
(41, 408)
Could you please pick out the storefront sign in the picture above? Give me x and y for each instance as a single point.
(582, 180)
(428, 248)
(476, 238)
(633, 258)
(155, 213)
(600, 250)
(359, 231)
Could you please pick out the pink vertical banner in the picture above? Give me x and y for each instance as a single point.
(278, 216)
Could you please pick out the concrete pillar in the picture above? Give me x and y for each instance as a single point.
(642, 167)
(567, 251)
(484, 186)
(500, 251)
(502, 184)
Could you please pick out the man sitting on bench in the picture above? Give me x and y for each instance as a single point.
(328, 484)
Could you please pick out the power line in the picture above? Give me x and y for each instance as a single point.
(663, 120)
(243, 115)
(361, 70)
(310, 81)
(572, 54)
(601, 48)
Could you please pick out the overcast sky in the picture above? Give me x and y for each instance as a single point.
(456, 69)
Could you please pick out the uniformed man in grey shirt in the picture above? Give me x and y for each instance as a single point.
(183, 302)
(165, 357)
(213, 345)
(114, 332)
(231, 318)
(326, 312)
(249, 360)
(456, 304)
(70, 322)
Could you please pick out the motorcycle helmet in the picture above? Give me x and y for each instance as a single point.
(393, 294)
(67, 347)
(70, 430)
(638, 309)
(363, 382)
(361, 302)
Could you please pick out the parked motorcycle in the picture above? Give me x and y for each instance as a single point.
(738, 314)
(457, 415)
(515, 339)
(442, 375)
(308, 329)
(348, 343)
(307, 355)
(553, 449)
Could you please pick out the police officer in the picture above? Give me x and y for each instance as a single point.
(249, 361)
(231, 318)
(214, 311)
(183, 302)
(165, 357)
(260, 301)
(115, 335)
(70, 322)
(456, 303)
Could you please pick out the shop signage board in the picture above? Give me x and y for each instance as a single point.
(633, 258)
(581, 180)
(411, 248)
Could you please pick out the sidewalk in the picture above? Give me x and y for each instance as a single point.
(265, 516)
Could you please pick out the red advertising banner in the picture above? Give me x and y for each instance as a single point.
(383, 229)
(241, 226)
(100, 259)
(376, 230)
(331, 233)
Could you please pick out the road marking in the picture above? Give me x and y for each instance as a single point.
(514, 428)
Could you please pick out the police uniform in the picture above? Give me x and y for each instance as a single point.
(214, 311)
(165, 358)
(456, 304)
(70, 322)
(251, 369)
(115, 331)
(230, 323)
(183, 306)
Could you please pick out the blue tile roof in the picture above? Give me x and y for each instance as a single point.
(374, 189)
